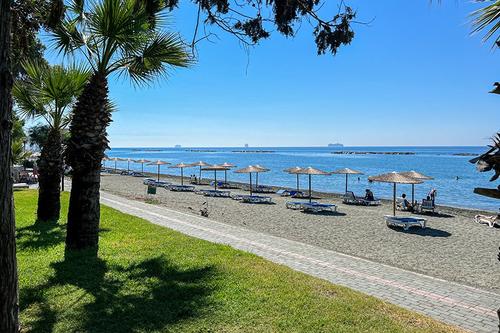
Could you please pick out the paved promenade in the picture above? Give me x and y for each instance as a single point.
(453, 303)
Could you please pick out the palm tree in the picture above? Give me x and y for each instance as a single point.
(114, 37)
(48, 93)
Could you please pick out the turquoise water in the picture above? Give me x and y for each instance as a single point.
(437, 162)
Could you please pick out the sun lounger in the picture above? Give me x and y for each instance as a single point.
(315, 207)
(257, 199)
(263, 189)
(137, 174)
(427, 206)
(148, 181)
(297, 205)
(216, 193)
(291, 193)
(489, 220)
(350, 199)
(181, 188)
(405, 221)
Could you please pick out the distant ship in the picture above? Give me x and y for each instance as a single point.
(246, 145)
(177, 146)
(335, 145)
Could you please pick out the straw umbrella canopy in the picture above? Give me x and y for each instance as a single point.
(158, 163)
(251, 169)
(142, 161)
(395, 178)
(228, 166)
(116, 159)
(347, 172)
(263, 169)
(200, 164)
(312, 171)
(215, 168)
(181, 166)
(294, 171)
(416, 175)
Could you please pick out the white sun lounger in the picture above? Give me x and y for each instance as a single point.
(405, 221)
(181, 188)
(315, 207)
(489, 220)
(296, 205)
(256, 199)
(216, 193)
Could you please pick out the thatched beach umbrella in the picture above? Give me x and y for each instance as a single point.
(263, 169)
(142, 161)
(181, 166)
(158, 163)
(347, 172)
(251, 169)
(116, 159)
(215, 168)
(416, 175)
(395, 178)
(228, 166)
(312, 171)
(294, 171)
(200, 164)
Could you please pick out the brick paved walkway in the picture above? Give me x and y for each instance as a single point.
(450, 302)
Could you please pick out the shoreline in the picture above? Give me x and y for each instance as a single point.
(319, 194)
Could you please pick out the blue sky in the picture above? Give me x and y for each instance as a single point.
(414, 76)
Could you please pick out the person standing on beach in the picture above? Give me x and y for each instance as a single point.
(432, 195)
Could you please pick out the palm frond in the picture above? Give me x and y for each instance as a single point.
(157, 56)
(488, 19)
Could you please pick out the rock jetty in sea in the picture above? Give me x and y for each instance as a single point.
(373, 152)
(253, 151)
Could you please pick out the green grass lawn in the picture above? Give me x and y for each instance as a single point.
(151, 279)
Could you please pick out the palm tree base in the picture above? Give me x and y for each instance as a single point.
(85, 151)
(50, 169)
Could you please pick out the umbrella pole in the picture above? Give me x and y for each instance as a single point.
(158, 172)
(128, 166)
(225, 176)
(310, 196)
(215, 177)
(256, 179)
(394, 200)
(182, 176)
(250, 183)
(115, 166)
(199, 178)
(346, 175)
(412, 194)
(142, 167)
(298, 189)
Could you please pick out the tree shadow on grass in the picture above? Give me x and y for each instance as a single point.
(40, 235)
(143, 296)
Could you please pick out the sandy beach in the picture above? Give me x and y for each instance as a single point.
(452, 247)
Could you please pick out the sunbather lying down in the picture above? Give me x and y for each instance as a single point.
(489, 220)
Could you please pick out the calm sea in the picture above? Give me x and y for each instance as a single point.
(441, 163)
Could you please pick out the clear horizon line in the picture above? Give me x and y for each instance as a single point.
(317, 146)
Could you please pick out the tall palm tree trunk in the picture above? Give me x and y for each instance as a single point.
(9, 301)
(85, 151)
(50, 168)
